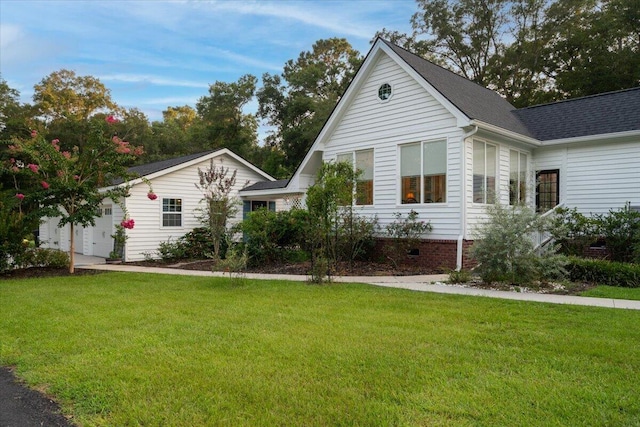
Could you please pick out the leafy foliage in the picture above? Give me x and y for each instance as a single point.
(573, 231)
(274, 236)
(505, 251)
(621, 232)
(69, 184)
(604, 272)
(216, 185)
(298, 102)
(404, 235)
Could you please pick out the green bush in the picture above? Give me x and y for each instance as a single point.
(573, 231)
(43, 257)
(196, 244)
(275, 236)
(621, 232)
(505, 250)
(604, 272)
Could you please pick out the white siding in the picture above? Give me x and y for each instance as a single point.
(595, 178)
(148, 232)
(476, 212)
(411, 115)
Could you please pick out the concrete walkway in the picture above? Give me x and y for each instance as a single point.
(423, 283)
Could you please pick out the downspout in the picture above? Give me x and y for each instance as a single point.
(463, 198)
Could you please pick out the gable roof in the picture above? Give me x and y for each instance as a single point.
(150, 168)
(600, 114)
(475, 101)
(159, 168)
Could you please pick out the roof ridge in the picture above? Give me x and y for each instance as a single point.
(453, 73)
(580, 98)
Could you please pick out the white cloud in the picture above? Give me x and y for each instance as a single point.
(154, 80)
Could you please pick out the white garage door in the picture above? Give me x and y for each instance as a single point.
(102, 240)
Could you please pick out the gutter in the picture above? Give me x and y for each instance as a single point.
(507, 133)
(588, 138)
(463, 198)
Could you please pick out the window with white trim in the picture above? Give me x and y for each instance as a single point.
(484, 172)
(172, 212)
(423, 172)
(363, 164)
(517, 177)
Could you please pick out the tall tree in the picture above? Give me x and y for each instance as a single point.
(224, 124)
(596, 46)
(298, 102)
(465, 34)
(67, 102)
(15, 117)
(64, 95)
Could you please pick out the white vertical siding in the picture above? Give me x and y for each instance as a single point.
(410, 115)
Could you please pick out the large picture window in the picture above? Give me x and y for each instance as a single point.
(484, 172)
(172, 212)
(548, 190)
(517, 177)
(363, 164)
(423, 172)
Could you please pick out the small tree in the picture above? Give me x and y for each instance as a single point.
(73, 184)
(505, 251)
(332, 190)
(216, 185)
(404, 235)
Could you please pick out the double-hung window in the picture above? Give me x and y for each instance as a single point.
(364, 165)
(517, 177)
(423, 172)
(172, 212)
(484, 172)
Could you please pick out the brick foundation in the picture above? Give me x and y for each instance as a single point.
(436, 255)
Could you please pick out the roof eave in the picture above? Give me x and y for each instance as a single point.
(506, 133)
(631, 134)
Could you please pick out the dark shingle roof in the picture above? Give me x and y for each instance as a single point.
(154, 167)
(149, 168)
(475, 101)
(592, 115)
(267, 185)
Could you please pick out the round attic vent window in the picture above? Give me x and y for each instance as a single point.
(384, 92)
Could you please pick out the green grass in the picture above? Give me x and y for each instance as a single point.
(614, 292)
(133, 349)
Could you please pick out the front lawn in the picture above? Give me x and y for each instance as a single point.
(613, 292)
(140, 349)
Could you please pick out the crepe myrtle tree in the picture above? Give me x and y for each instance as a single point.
(73, 184)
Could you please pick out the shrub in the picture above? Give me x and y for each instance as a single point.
(196, 244)
(604, 272)
(43, 257)
(404, 235)
(505, 251)
(573, 231)
(274, 236)
(621, 232)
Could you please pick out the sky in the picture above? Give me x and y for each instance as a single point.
(155, 54)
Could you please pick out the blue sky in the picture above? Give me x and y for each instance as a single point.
(154, 54)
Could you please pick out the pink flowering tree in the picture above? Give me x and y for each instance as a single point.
(72, 184)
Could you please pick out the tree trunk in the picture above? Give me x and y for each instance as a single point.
(72, 249)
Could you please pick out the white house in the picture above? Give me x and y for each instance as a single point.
(430, 140)
(170, 216)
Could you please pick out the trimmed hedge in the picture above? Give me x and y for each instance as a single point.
(603, 272)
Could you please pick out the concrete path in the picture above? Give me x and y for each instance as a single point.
(423, 283)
